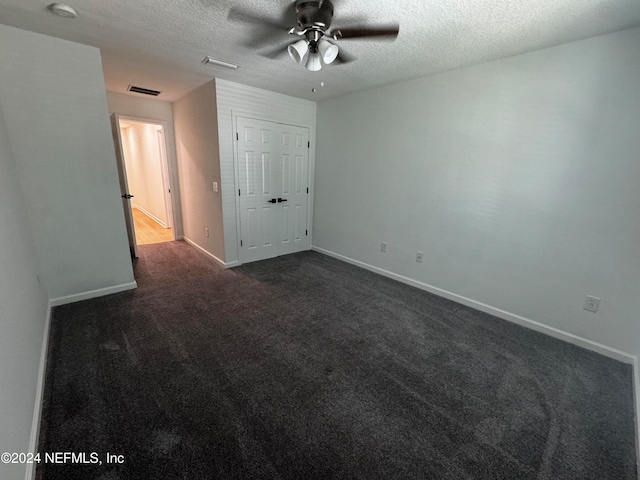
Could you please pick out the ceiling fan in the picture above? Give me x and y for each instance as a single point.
(315, 44)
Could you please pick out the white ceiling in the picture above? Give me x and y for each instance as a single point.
(159, 44)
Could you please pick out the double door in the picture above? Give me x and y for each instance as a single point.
(273, 174)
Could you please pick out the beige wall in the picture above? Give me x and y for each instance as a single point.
(53, 96)
(196, 127)
(23, 307)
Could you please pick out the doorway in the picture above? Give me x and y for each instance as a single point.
(141, 152)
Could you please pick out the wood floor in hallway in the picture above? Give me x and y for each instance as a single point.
(148, 230)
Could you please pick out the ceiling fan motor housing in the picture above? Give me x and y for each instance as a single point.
(314, 14)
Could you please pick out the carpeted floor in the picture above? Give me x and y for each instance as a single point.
(304, 367)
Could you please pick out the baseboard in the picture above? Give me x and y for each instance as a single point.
(206, 252)
(77, 297)
(37, 411)
(505, 315)
(151, 216)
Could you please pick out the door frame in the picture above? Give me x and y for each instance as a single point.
(168, 182)
(236, 170)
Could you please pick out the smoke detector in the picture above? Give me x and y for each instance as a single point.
(63, 10)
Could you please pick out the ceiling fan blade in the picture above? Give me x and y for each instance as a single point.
(343, 58)
(266, 39)
(237, 14)
(390, 31)
(275, 53)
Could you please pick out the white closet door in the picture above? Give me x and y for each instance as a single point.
(273, 173)
(294, 171)
(257, 163)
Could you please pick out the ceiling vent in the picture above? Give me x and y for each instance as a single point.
(145, 91)
(220, 63)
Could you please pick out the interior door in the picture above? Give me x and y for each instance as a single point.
(258, 191)
(124, 188)
(294, 173)
(273, 164)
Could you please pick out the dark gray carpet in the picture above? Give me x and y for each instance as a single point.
(304, 367)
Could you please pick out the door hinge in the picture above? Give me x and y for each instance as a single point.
(307, 189)
(240, 242)
(306, 232)
(237, 136)
(308, 144)
(238, 192)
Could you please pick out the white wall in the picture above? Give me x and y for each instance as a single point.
(141, 148)
(153, 109)
(23, 309)
(53, 96)
(236, 99)
(518, 179)
(196, 128)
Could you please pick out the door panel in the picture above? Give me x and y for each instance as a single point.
(295, 175)
(273, 163)
(256, 173)
(124, 187)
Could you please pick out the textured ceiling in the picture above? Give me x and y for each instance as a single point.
(159, 44)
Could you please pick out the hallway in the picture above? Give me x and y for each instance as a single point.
(148, 230)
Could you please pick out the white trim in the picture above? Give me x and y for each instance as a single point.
(150, 215)
(37, 410)
(483, 307)
(207, 253)
(76, 297)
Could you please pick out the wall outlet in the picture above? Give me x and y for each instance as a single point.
(592, 304)
(383, 247)
(419, 257)
(206, 232)
(215, 186)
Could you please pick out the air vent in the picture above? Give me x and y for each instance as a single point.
(220, 63)
(145, 91)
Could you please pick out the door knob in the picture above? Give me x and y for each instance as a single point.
(127, 196)
(273, 200)
(281, 200)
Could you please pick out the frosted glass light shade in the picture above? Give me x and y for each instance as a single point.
(328, 50)
(298, 51)
(314, 63)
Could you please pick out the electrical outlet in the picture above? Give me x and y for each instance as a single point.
(215, 186)
(206, 232)
(592, 304)
(383, 247)
(419, 257)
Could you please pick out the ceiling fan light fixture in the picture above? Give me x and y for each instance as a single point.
(315, 62)
(328, 51)
(298, 51)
